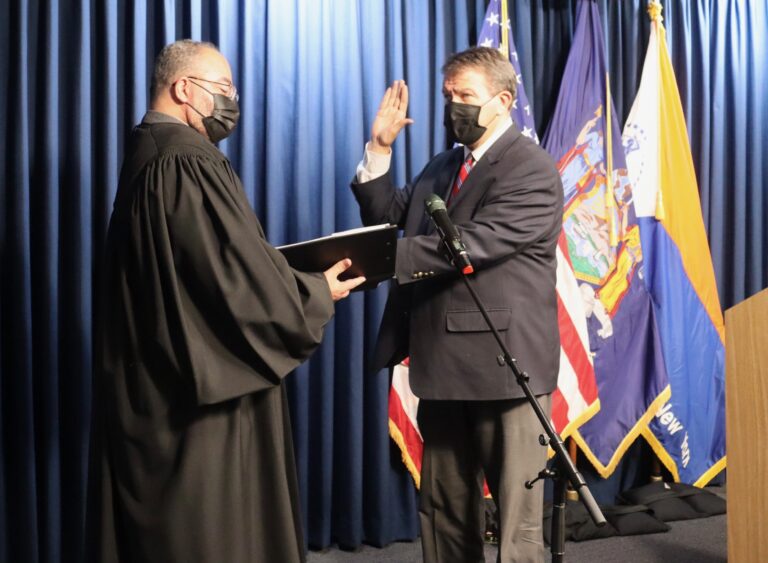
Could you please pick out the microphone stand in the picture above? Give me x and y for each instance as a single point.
(564, 470)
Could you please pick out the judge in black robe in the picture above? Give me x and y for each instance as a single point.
(201, 320)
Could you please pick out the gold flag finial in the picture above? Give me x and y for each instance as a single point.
(654, 11)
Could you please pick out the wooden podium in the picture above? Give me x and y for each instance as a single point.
(746, 387)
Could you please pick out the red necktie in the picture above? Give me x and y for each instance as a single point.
(464, 171)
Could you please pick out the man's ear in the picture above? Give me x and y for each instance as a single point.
(506, 98)
(179, 91)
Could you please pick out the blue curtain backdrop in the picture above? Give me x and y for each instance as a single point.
(75, 78)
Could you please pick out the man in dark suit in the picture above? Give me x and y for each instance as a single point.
(505, 197)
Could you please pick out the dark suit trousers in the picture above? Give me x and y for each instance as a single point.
(465, 441)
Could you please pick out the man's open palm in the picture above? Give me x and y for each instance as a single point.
(390, 118)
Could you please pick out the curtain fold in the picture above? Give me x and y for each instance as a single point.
(310, 74)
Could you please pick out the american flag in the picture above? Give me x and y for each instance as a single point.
(575, 400)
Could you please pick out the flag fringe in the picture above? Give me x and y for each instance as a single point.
(573, 425)
(711, 473)
(661, 453)
(397, 437)
(669, 462)
(605, 471)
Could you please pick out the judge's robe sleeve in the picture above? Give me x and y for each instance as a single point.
(245, 317)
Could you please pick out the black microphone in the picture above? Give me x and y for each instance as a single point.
(435, 208)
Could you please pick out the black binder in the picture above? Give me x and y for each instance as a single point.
(371, 249)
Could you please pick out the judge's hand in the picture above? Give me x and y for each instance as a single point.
(390, 118)
(340, 289)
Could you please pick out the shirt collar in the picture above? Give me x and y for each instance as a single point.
(153, 116)
(478, 153)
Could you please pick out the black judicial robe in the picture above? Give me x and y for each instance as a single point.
(201, 320)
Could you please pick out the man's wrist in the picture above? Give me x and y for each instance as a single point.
(374, 146)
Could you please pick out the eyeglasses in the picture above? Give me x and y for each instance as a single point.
(230, 92)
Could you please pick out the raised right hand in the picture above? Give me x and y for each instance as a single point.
(390, 118)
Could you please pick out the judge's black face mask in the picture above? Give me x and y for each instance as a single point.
(223, 119)
(461, 121)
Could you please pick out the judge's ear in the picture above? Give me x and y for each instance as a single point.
(180, 91)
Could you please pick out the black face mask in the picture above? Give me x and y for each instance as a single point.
(461, 121)
(222, 120)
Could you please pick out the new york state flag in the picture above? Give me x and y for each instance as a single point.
(603, 240)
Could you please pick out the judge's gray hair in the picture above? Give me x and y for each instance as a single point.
(175, 60)
(498, 71)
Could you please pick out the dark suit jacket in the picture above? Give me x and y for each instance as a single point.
(509, 213)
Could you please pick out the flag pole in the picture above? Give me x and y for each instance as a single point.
(654, 13)
(573, 451)
(610, 199)
(504, 29)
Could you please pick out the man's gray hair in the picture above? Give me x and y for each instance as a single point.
(497, 69)
(173, 61)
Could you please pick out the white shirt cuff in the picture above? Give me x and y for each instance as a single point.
(374, 165)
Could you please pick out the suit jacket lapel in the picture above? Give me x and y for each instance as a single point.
(484, 167)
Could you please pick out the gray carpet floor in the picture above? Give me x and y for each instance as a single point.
(691, 541)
